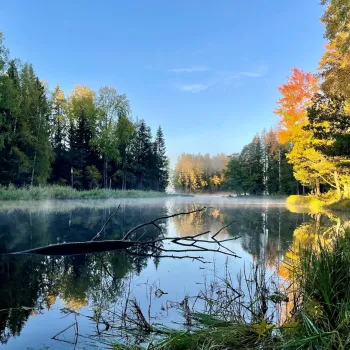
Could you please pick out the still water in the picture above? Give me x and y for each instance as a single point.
(63, 302)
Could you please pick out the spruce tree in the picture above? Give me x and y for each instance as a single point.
(142, 156)
(161, 162)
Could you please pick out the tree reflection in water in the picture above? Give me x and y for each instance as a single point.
(31, 284)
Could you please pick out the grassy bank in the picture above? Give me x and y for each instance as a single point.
(318, 316)
(309, 201)
(314, 203)
(65, 192)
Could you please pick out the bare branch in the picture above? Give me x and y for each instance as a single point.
(105, 224)
(128, 234)
(222, 228)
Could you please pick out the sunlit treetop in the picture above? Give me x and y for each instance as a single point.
(336, 19)
(58, 94)
(83, 91)
(297, 96)
(335, 69)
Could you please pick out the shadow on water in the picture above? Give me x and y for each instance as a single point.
(32, 286)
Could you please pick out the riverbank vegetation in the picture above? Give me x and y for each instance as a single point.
(311, 313)
(86, 140)
(66, 192)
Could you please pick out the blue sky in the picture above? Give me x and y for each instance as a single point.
(207, 71)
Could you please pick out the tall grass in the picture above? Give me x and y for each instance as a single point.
(319, 319)
(322, 314)
(65, 192)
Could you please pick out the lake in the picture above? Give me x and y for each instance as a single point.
(78, 301)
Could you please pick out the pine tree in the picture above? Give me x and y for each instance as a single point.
(142, 156)
(9, 111)
(126, 133)
(161, 162)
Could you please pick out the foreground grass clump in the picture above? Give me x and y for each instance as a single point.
(65, 192)
(221, 335)
(322, 318)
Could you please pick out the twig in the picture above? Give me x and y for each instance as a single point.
(153, 222)
(105, 224)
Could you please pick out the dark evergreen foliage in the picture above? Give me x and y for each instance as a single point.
(45, 137)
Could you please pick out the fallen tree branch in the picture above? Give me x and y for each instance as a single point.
(154, 248)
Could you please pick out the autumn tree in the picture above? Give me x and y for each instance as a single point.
(198, 173)
(330, 124)
(336, 19)
(297, 96)
(59, 137)
(83, 119)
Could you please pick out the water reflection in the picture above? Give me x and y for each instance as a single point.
(30, 286)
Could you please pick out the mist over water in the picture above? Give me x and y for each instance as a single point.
(36, 292)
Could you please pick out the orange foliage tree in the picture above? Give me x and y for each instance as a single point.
(292, 107)
(310, 166)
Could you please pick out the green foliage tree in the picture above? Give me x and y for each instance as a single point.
(110, 107)
(161, 162)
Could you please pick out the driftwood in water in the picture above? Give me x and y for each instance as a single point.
(193, 244)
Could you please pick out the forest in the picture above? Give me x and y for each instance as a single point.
(86, 140)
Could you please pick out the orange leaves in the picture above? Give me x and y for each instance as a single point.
(292, 106)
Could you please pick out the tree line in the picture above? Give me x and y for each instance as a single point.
(86, 140)
(199, 173)
(260, 168)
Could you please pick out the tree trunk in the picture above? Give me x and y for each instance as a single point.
(279, 170)
(105, 175)
(32, 177)
(337, 184)
(318, 188)
(318, 222)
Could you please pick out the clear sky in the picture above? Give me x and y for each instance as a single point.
(206, 71)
